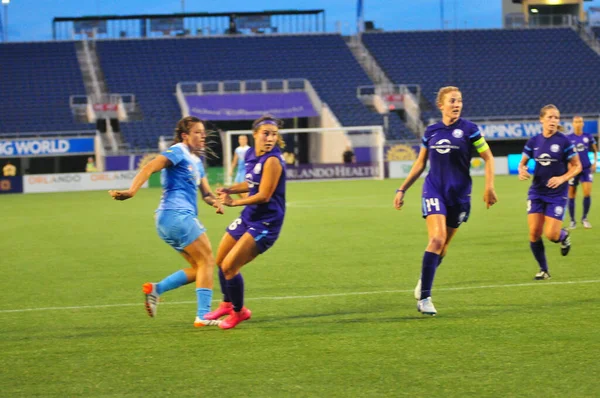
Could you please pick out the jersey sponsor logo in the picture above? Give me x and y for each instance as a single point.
(458, 133)
(580, 147)
(545, 159)
(257, 168)
(444, 146)
(554, 148)
(250, 181)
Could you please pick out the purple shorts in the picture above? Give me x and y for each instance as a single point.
(586, 175)
(550, 207)
(455, 214)
(264, 235)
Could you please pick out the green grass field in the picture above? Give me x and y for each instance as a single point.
(333, 311)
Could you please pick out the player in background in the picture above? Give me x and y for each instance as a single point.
(555, 163)
(177, 215)
(583, 143)
(238, 161)
(259, 225)
(447, 188)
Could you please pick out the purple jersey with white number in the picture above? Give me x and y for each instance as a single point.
(551, 157)
(273, 211)
(449, 150)
(582, 145)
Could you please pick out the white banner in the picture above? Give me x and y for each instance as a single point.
(78, 181)
(524, 130)
(401, 168)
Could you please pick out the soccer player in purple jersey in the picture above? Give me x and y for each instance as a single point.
(447, 188)
(555, 163)
(582, 143)
(258, 227)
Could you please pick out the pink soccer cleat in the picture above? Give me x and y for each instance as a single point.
(225, 308)
(235, 317)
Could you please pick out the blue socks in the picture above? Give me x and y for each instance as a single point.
(572, 208)
(223, 283)
(204, 297)
(235, 288)
(430, 263)
(587, 202)
(171, 282)
(537, 248)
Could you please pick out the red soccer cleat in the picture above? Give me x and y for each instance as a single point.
(225, 308)
(235, 317)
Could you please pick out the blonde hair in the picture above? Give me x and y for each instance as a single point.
(548, 107)
(443, 91)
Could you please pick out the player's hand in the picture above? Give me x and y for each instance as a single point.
(489, 197)
(226, 199)
(523, 173)
(121, 195)
(399, 200)
(555, 182)
(221, 190)
(219, 206)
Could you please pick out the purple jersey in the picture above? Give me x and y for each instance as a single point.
(449, 150)
(273, 211)
(582, 145)
(551, 157)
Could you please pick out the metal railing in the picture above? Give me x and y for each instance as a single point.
(48, 134)
(243, 86)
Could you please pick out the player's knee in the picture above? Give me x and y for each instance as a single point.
(229, 271)
(437, 243)
(552, 235)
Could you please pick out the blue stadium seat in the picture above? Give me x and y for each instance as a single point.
(150, 69)
(36, 80)
(500, 72)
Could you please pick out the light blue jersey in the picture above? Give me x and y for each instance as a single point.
(180, 180)
(241, 163)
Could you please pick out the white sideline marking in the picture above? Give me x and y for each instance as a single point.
(447, 289)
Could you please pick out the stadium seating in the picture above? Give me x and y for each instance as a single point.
(36, 80)
(501, 73)
(150, 69)
(596, 30)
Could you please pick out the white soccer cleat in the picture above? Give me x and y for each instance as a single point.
(426, 307)
(542, 275)
(199, 322)
(586, 223)
(573, 225)
(152, 297)
(418, 290)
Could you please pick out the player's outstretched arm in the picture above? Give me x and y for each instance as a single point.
(241, 187)
(415, 172)
(209, 197)
(271, 173)
(489, 194)
(157, 164)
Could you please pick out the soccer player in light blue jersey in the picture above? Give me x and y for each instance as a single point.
(260, 223)
(447, 189)
(239, 162)
(177, 215)
(583, 143)
(556, 163)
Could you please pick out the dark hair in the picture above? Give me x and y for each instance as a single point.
(183, 127)
(272, 120)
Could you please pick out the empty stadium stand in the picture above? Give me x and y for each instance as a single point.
(36, 80)
(151, 69)
(502, 73)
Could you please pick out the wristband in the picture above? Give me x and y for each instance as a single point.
(400, 190)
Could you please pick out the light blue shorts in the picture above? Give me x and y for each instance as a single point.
(178, 228)
(240, 177)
